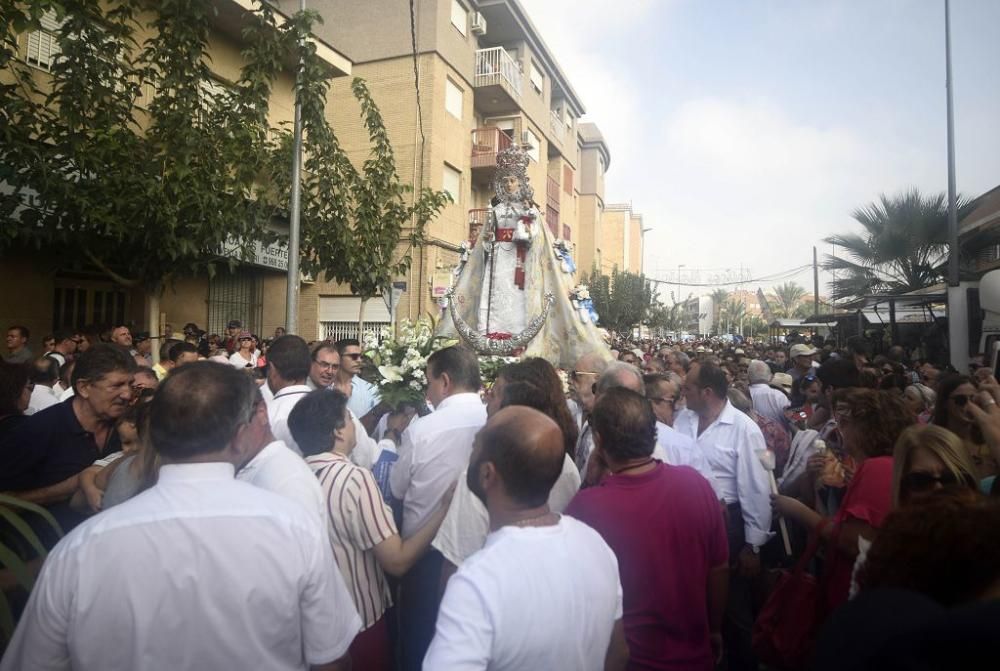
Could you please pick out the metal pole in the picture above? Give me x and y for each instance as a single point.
(815, 284)
(958, 327)
(952, 214)
(294, 221)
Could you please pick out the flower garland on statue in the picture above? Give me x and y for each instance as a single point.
(580, 296)
(401, 360)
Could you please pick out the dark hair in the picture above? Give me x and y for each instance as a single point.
(62, 334)
(23, 330)
(712, 377)
(528, 473)
(204, 349)
(626, 424)
(290, 356)
(45, 371)
(342, 345)
(838, 373)
(461, 365)
(534, 382)
(13, 378)
(166, 346)
(880, 416)
(99, 361)
(315, 418)
(653, 379)
(199, 408)
(942, 547)
(945, 388)
(180, 348)
(322, 345)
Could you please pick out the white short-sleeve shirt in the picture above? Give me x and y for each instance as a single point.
(279, 407)
(278, 469)
(211, 574)
(467, 523)
(533, 598)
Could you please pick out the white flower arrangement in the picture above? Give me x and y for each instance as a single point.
(401, 359)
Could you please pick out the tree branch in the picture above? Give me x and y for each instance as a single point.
(124, 281)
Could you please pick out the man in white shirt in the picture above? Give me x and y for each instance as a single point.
(767, 400)
(432, 454)
(731, 442)
(204, 552)
(363, 396)
(44, 374)
(288, 368)
(515, 604)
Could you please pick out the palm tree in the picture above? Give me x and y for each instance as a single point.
(905, 241)
(733, 309)
(718, 297)
(787, 297)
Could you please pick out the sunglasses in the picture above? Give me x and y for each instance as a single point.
(961, 399)
(921, 481)
(353, 355)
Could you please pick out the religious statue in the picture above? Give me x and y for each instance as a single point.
(513, 292)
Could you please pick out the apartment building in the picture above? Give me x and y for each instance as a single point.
(622, 234)
(486, 81)
(48, 299)
(595, 159)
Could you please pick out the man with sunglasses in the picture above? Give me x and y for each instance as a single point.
(583, 379)
(362, 395)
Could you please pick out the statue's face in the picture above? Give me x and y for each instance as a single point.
(511, 184)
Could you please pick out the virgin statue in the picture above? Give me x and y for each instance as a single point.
(513, 291)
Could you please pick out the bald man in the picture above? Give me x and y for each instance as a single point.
(516, 604)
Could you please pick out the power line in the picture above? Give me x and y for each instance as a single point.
(416, 85)
(767, 278)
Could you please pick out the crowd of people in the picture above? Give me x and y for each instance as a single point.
(691, 505)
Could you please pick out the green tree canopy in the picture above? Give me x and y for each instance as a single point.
(622, 300)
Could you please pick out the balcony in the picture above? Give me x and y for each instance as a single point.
(498, 81)
(552, 193)
(552, 220)
(559, 129)
(486, 144)
(477, 219)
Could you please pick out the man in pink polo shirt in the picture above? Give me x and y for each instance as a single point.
(665, 526)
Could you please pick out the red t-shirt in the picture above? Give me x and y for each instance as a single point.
(869, 499)
(666, 528)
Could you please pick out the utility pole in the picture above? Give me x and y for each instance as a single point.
(815, 285)
(958, 327)
(294, 219)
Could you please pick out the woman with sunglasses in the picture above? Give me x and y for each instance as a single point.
(953, 412)
(926, 459)
(245, 355)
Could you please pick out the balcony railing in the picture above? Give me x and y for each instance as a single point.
(496, 67)
(486, 144)
(477, 219)
(552, 193)
(557, 125)
(552, 220)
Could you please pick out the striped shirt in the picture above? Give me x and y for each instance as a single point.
(358, 521)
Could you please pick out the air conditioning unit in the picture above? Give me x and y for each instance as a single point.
(478, 24)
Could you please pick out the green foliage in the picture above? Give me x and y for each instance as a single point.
(12, 555)
(905, 240)
(666, 318)
(142, 195)
(623, 300)
(192, 181)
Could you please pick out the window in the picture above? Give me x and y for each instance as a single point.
(453, 98)
(568, 180)
(43, 45)
(236, 295)
(453, 182)
(537, 78)
(567, 233)
(459, 16)
(533, 145)
(338, 316)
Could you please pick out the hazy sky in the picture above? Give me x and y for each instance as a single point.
(745, 131)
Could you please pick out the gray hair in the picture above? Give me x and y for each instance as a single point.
(683, 359)
(927, 395)
(675, 378)
(739, 400)
(621, 374)
(758, 372)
